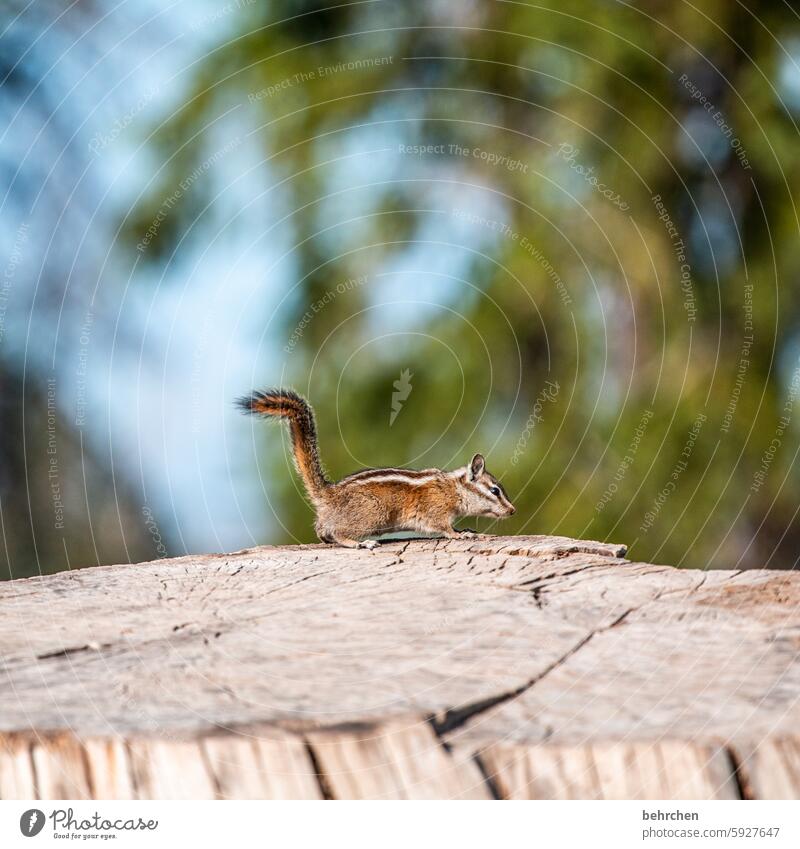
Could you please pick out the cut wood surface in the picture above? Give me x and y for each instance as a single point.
(493, 667)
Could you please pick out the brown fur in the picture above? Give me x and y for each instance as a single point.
(378, 501)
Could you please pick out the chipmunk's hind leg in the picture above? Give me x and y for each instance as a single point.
(331, 536)
(348, 517)
(324, 532)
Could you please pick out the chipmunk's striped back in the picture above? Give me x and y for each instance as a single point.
(411, 476)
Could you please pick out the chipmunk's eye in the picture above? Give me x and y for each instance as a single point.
(495, 491)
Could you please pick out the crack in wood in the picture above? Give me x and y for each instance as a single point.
(454, 718)
(739, 773)
(319, 774)
(67, 652)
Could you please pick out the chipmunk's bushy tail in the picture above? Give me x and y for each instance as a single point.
(285, 404)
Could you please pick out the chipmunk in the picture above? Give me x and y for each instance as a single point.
(378, 501)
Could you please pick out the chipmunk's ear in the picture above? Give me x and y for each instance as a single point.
(476, 466)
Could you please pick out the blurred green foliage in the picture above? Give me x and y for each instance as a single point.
(520, 80)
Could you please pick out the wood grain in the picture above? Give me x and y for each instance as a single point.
(17, 780)
(771, 770)
(398, 760)
(665, 770)
(60, 768)
(262, 767)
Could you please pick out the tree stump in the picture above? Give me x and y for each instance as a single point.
(493, 667)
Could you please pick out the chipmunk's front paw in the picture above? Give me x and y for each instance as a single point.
(466, 533)
(369, 544)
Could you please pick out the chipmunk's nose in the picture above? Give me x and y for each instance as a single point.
(512, 510)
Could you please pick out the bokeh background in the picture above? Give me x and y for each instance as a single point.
(564, 234)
